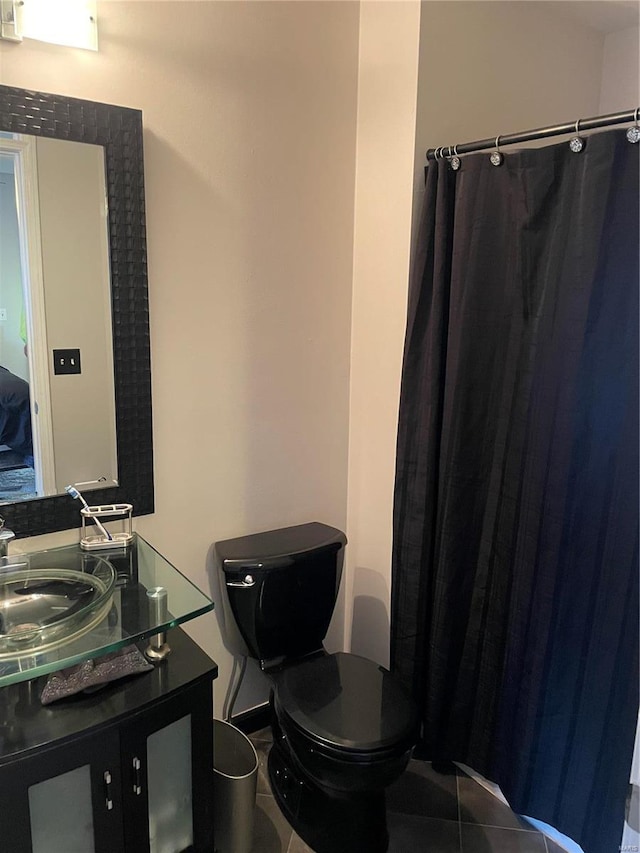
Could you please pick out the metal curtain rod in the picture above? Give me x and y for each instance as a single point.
(538, 133)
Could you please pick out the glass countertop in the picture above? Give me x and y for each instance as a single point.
(123, 612)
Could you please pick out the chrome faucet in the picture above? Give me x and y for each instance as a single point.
(6, 536)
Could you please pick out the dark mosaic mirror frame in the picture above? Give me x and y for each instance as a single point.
(119, 131)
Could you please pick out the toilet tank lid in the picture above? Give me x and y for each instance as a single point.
(278, 548)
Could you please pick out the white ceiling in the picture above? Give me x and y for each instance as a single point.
(607, 16)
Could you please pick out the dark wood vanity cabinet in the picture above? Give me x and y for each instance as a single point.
(126, 769)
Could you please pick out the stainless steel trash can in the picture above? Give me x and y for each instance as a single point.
(235, 776)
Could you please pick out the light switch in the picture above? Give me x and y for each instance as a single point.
(66, 361)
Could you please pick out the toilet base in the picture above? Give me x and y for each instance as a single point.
(327, 822)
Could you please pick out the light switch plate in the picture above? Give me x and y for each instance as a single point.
(66, 361)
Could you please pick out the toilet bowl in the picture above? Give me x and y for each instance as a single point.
(347, 721)
(343, 726)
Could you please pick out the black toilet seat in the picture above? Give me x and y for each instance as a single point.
(344, 704)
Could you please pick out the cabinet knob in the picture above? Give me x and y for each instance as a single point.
(107, 790)
(137, 787)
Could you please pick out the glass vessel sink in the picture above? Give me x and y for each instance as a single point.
(64, 605)
(42, 608)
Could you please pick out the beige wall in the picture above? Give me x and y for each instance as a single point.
(249, 113)
(484, 68)
(386, 132)
(620, 85)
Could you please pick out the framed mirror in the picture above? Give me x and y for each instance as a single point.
(125, 382)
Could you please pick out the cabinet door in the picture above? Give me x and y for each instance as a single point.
(167, 756)
(64, 800)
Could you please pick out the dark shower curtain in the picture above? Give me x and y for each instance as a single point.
(515, 559)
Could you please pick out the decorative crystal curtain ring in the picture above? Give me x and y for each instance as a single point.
(576, 143)
(455, 161)
(633, 134)
(496, 156)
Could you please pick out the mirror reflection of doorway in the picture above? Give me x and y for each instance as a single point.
(60, 275)
(17, 466)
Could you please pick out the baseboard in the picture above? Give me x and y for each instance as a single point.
(253, 720)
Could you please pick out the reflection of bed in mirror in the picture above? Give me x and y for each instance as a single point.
(15, 417)
(17, 477)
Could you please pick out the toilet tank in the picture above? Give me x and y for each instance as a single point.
(281, 587)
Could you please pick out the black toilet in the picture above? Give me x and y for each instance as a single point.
(343, 726)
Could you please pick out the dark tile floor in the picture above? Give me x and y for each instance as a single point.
(438, 812)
